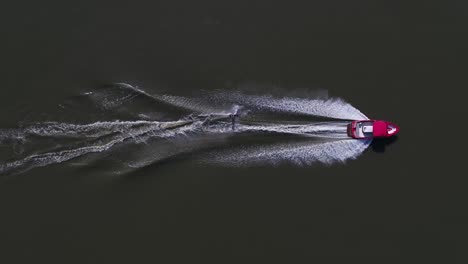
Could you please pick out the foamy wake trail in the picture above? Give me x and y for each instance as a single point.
(135, 134)
(325, 130)
(204, 123)
(213, 101)
(304, 153)
(322, 130)
(331, 108)
(93, 130)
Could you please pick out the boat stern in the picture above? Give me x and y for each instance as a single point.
(352, 129)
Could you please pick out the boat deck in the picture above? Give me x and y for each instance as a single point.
(364, 129)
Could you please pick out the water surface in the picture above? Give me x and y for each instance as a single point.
(399, 61)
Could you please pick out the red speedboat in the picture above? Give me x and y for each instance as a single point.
(372, 129)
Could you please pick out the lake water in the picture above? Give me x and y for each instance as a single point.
(197, 198)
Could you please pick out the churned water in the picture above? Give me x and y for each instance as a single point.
(234, 116)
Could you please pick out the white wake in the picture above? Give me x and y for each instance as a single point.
(301, 154)
(216, 115)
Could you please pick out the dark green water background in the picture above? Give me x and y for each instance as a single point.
(395, 60)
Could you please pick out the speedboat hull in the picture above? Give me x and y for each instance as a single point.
(372, 129)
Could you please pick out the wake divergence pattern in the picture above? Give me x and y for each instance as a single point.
(224, 128)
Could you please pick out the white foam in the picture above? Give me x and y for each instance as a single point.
(137, 134)
(213, 101)
(304, 153)
(55, 129)
(332, 108)
(325, 130)
(102, 136)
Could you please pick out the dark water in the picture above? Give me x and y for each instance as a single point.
(400, 201)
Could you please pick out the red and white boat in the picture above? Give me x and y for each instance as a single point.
(372, 129)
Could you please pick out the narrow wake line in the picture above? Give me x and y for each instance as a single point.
(54, 129)
(99, 129)
(313, 130)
